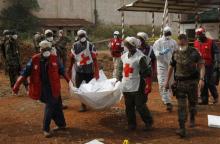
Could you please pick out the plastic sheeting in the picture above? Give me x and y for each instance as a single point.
(98, 94)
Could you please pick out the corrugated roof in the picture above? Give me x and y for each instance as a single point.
(59, 22)
(175, 6)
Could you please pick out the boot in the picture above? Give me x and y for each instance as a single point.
(169, 107)
(182, 131)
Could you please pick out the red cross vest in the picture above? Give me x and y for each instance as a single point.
(116, 48)
(131, 69)
(205, 50)
(35, 78)
(84, 57)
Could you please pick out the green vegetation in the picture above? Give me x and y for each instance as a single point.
(18, 15)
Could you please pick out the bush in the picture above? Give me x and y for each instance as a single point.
(18, 15)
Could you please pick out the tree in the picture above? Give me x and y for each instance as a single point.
(19, 15)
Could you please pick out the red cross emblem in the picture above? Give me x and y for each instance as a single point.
(84, 59)
(128, 70)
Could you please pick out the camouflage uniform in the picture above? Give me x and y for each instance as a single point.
(12, 60)
(61, 48)
(186, 76)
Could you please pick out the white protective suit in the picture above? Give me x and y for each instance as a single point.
(163, 49)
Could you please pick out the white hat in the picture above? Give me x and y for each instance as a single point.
(132, 41)
(45, 44)
(143, 35)
(167, 29)
(48, 31)
(116, 33)
(80, 32)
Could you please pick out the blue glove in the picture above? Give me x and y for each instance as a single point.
(165, 51)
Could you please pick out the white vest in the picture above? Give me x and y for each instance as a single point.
(84, 57)
(131, 69)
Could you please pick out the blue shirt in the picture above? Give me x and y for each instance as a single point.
(46, 93)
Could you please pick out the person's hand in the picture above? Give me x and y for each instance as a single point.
(96, 74)
(71, 84)
(15, 89)
(165, 51)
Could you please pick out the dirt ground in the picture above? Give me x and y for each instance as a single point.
(21, 120)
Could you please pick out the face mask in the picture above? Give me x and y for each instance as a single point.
(50, 39)
(15, 37)
(46, 54)
(115, 36)
(167, 37)
(83, 39)
(183, 48)
(7, 36)
(60, 35)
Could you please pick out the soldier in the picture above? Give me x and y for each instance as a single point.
(11, 55)
(132, 70)
(83, 56)
(44, 70)
(148, 51)
(163, 49)
(189, 71)
(38, 37)
(61, 43)
(210, 53)
(116, 49)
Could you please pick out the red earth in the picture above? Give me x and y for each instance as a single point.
(21, 120)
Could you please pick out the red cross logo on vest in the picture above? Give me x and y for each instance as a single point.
(128, 70)
(84, 59)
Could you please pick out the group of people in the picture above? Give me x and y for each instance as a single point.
(184, 71)
(187, 72)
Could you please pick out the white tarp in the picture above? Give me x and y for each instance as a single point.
(98, 94)
(214, 121)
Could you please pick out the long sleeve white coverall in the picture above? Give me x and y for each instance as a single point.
(163, 49)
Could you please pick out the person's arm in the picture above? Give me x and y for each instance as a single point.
(145, 68)
(24, 74)
(119, 70)
(72, 61)
(216, 56)
(201, 65)
(62, 71)
(95, 63)
(169, 75)
(170, 72)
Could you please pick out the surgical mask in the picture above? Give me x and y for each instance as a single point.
(50, 39)
(46, 54)
(115, 36)
(83, 39)
(15, 37)
(167, 37)
(60, 34)
(183, 48)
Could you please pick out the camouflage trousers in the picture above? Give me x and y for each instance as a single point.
(187, 98)
(14, 72)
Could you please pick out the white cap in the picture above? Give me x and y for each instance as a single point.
(116, 33)
(133, 41)
(61, 31)
(80, 32)
(48, 31)
(45, 44)
(143, 35)
(167, 29)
